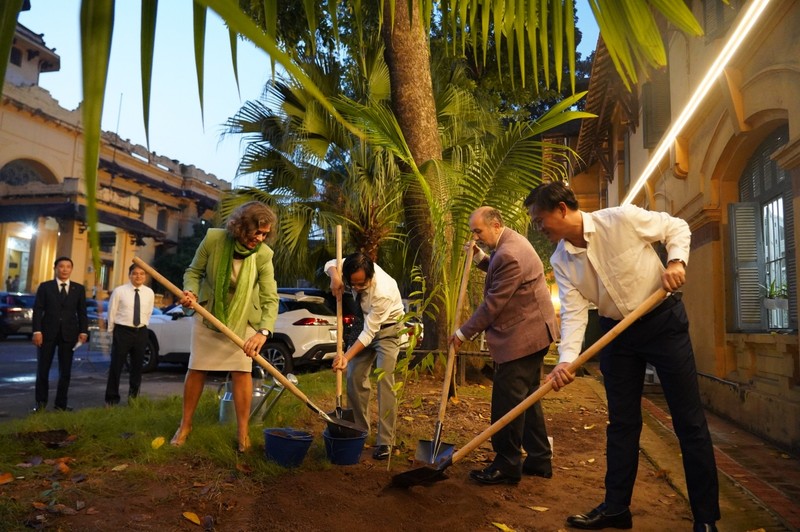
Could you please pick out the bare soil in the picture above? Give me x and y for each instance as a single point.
(323, 497)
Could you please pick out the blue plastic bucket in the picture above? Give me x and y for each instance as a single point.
(344, 451)
(286, 447)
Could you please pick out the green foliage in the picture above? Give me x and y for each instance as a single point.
(776, 291)
(173, 265)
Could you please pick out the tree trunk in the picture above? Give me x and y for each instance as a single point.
(408, 58)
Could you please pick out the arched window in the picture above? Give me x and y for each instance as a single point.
(762, 235)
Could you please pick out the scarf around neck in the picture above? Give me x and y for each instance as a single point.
(233, 313)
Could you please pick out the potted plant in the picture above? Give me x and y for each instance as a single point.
(776, 297)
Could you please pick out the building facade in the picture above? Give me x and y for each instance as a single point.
(729, 166)
(145, 202)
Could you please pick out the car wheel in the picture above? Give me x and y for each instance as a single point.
(278, 355)
(150, 361)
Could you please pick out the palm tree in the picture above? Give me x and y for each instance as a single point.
(628, 28)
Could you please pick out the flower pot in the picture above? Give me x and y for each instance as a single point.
(776, 304)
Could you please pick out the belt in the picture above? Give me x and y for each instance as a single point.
(387, 325)
(130, 327)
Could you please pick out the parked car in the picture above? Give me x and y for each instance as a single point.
(16, 314)
(305, 333)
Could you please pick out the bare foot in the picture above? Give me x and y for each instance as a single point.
(180, 437)
(244, 444)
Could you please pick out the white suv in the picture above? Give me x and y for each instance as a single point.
(305, 332)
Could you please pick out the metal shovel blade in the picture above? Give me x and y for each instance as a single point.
(434, 451)
(342, 428)
(422, 476)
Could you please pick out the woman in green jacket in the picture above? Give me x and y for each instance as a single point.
(232, 276)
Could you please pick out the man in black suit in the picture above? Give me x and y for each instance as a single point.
(59, 320)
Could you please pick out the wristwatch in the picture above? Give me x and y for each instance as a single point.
(265, 332)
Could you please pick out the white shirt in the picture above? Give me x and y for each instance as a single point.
(617, 270)
(381, 303)
(59, 281)
(120, 305)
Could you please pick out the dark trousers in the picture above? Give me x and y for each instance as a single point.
(513, 382)
(660, 338)
(126, 341)
(44, 360)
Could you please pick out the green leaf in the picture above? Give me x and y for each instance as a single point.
(97, 23)
(199, 17)
(148, 37)
(9, 11)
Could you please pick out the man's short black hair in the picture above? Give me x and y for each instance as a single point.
(547, 196)
(59, 259)
(357, 261)
(133, 266)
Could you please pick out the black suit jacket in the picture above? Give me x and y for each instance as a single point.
(57, 319)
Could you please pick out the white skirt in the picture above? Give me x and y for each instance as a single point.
(213, 351)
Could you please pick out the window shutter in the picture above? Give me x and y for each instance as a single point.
(746, 244)
(791, 263)
(655, 108)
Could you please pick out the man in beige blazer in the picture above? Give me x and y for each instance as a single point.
(520, 323)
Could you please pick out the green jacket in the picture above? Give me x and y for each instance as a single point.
(200, 275)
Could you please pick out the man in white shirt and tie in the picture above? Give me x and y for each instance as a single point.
(129, 311)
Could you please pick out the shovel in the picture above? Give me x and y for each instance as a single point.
(337, 427)
(429, 475)
(340, 412)
(432, 451)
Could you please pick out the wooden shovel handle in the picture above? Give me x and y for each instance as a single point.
(286, 383)
(451, 352)
(584, 357)
(339, 325)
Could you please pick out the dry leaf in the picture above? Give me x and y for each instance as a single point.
(92, 511)
(503, 527)
(590, 460)
(39, 505)
(121, 467)
(588, 427)
(785, 456)
(244, 468)
(191, 516)
(538, 508)
(62, 468)
(5, 478)
(408, 418)
(157, 442)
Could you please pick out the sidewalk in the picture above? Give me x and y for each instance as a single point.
(759, 483)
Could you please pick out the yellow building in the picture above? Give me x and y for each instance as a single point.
(730, 166)
(145, 201)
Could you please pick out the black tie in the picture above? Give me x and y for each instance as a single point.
(63, 290)
(137, 309)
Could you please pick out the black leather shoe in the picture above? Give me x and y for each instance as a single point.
(382, 452)
(64, 408)
(491, 475)
(538, 471)
(598, 519)
(704, 527)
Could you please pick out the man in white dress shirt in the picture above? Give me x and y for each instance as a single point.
(607, 258)
(380, 301)
(129, 311)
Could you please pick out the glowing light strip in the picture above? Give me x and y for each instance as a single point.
(748, 20)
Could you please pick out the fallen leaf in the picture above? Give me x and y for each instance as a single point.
(785, 456)
(62, 468)
(538, 508)
(157, 442)
(503, 527)
(92, 511)
(121, 467)
(24, 465)
(590, 460)
(198, 485)
(588, 427)
(5, 478)
(408, 418)
(39, 505)
(244, 468)
(191, 516)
